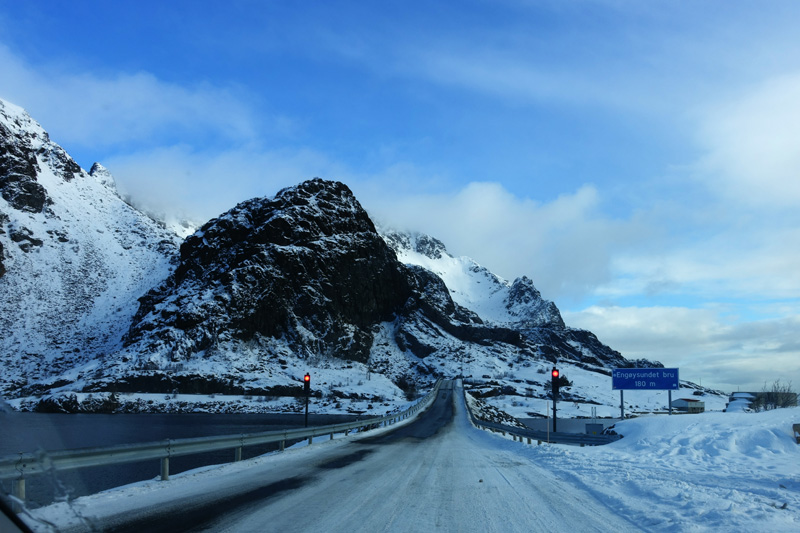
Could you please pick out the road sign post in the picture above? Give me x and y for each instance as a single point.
(623, 379)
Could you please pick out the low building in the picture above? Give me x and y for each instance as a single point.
(689, 405)
(760, 401)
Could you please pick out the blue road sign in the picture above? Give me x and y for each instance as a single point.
(645, 379)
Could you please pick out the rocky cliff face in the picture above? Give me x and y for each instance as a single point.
(306, 266)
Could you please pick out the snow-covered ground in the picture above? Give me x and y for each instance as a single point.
(532, 384)
(374, 393)
(375, 396)
(707, 472)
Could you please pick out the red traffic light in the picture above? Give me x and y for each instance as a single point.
(555, 373)
(307, 378)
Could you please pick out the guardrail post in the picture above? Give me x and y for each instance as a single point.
(283, 445)
(18, 490)
(331, 435)
(529, 440)
(237, 456)
(310, 439)
(165, 469)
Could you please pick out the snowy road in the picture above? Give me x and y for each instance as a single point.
(437, 473)
(711, 472)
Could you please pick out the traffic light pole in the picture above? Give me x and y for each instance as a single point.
(307, 390)
(554, 415)
(555, 376)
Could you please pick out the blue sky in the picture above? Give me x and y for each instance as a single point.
(640, 161)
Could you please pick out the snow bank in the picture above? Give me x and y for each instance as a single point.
(706, 472)
(714, 437)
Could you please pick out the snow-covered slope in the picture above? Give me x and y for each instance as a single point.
(494, 299)
(74, 257)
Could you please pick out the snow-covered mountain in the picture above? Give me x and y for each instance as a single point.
(275, 282)
(74, 258)
(495, 300)
(97, 298)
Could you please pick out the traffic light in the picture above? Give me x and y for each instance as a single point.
(307, 384)
(555, 381)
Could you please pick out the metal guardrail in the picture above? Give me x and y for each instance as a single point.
(25, 464)
(578, 439)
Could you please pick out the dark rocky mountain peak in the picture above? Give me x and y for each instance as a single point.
(101, 174)
(18, 170)
(421, 243)
(306, 266)
(525, 303)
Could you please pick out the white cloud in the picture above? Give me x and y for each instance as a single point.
(518, 76)
(565, 245)
(753, 145)
(201, 185)
(79, 108)
(704, 343)
(726, 261)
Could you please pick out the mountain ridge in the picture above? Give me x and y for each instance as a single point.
(251, 300)
(74, 257)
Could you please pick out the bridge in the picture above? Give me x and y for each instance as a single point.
(429, 470)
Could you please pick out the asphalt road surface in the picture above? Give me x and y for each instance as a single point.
(435, 473)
